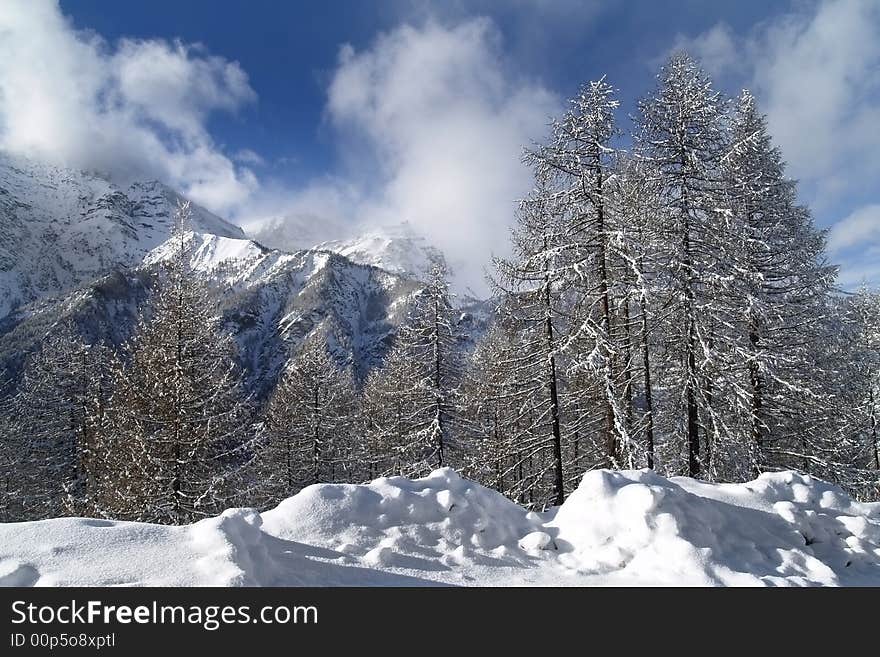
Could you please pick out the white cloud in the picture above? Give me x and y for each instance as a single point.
(858, 234)
(134, 109)
(247, 156)
(816, 73)
(715, 49)
(861, 228)
(322, 210)
(855, 242)
(857, 274)
(445, 121)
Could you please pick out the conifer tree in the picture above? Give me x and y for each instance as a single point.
(59, 418)
(412, 402)
(532, 284)
(505, 449)
(578, 164)
(310, 424)
(180, 418)
(778, 297)
(681, 135)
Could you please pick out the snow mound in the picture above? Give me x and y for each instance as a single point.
(781, 529)
(228, 550)
(440, 520)
(617, 528)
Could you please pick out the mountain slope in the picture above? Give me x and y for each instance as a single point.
(61, 228)
(396, 248)
(77, 249)
(268, 300)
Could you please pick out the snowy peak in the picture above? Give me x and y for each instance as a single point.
(212, 254)
(396, 248)
(62, 228)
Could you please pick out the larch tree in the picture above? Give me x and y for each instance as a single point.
(506, 440)
(412, 402)
(385, 417)
(310, 424)
(638, 198)
(578, 161)
(681, 135)
(532, 284)
(866, 309)
(180, 418)
(840, 443)
(59, 418)
(778, 298)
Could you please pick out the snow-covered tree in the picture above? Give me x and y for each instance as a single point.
(532, 284)
(58, 416)
(577, 164)
(310, 425)
(13, 449)
(385, 417)
(179, 417)
(638, 198)
(505, 445)
(681, 136)
(866, 309)
(411, 405)
(840, 441)
(777, 299)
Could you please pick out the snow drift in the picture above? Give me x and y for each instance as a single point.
(618, 528)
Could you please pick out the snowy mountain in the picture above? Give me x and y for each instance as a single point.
(79, 249)
(395, 248)
(618, 528)
(399, 249)
(62, 228)
(269, 300)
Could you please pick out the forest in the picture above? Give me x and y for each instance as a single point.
(668, 304)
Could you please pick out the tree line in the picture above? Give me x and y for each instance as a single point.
(667, 305)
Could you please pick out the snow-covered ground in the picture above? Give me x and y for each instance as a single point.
(617, 528)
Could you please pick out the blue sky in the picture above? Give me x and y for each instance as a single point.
(345, 113)
(289, 50)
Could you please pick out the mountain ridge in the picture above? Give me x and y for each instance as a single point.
(109, 244)
(63, 228)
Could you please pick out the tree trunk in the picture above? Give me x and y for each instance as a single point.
(612, 441)
(757, 406)
(288, 450)
(316, 439)
(628, 383)
(710, 432)
(499, 454)
(874, 430)
(649, 396)
(693, 424)
(438, 380)
(558, 480)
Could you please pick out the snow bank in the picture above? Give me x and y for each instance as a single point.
(434, 523)
(631, 527)
(781, 529)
